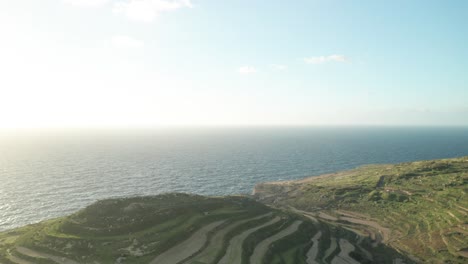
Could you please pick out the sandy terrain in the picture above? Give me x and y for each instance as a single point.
(187, 248)
(313, 251)
(330, 250)
(209, 253)
(343, 257)
(263, 246)
(234, 250)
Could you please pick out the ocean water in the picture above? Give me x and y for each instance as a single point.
(45, 175)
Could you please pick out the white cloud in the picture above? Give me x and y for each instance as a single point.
(148, 10)
(324, 59)
(247, 70)
(122, 41)
(87, 3)
(278, 67)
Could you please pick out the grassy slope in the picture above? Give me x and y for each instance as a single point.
(145, 226)
(136, 230)
(424, 204)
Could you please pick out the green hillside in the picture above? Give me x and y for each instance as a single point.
(182, 228)
(418, 208)
(403, 213)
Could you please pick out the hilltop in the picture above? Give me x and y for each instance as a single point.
(403, 213)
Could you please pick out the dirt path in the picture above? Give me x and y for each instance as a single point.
(327, 216)
(361, 219)
(208, 255)
(330, 250)
(460, 211)
(263, 246)
(452, 215)
(461, 207)
(234, 251)
(37, 254)
(313, 251)
(376, 232)
(343, 257)
(309, 215)
(352, 214)
(383, 230)
(187, 248)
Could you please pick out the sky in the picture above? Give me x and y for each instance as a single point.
(152, 63)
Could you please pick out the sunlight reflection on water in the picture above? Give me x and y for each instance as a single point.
(48, 176)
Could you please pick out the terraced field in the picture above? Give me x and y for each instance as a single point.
(403, 213)
(190, 229)
(418, 208)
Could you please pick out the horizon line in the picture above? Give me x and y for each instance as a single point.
(163, 127)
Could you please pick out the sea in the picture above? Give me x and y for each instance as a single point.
(47, 174)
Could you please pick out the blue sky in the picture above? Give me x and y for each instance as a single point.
(145, 63)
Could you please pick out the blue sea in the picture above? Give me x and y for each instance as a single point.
(47, 174)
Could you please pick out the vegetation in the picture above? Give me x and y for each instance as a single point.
(403, 213)
(175, 228)
(418, 208)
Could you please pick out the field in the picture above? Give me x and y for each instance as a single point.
(418, 208)
(191, 229)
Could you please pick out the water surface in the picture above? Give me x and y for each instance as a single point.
(44, 175)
